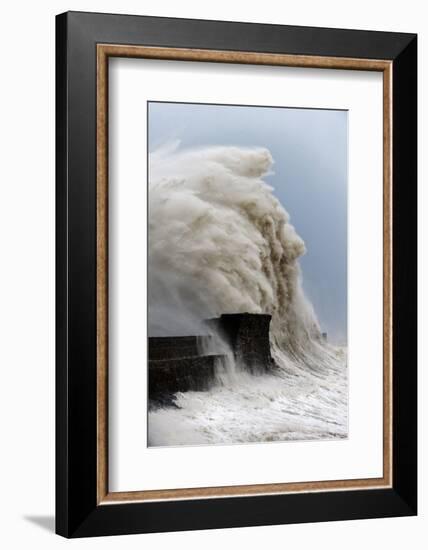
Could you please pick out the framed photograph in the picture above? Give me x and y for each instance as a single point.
(236, 274)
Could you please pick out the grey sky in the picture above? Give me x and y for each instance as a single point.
(309, 147)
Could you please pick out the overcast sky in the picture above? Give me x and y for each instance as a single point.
(309, 147)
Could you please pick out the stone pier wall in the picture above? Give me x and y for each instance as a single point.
(248, 336)
(179, 364)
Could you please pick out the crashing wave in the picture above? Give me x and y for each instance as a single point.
(221, 242)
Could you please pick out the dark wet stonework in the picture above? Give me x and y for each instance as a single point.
(180, 364)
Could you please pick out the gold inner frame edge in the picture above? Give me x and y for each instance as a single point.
(104, 51)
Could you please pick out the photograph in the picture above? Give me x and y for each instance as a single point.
(247, 274)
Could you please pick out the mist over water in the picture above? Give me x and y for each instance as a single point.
(220, 242)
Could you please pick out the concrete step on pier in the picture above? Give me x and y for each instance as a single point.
(176, 347)
(183, 374)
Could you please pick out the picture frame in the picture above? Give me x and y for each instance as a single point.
(84, 44)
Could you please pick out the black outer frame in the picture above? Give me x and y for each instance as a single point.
(77, 513)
